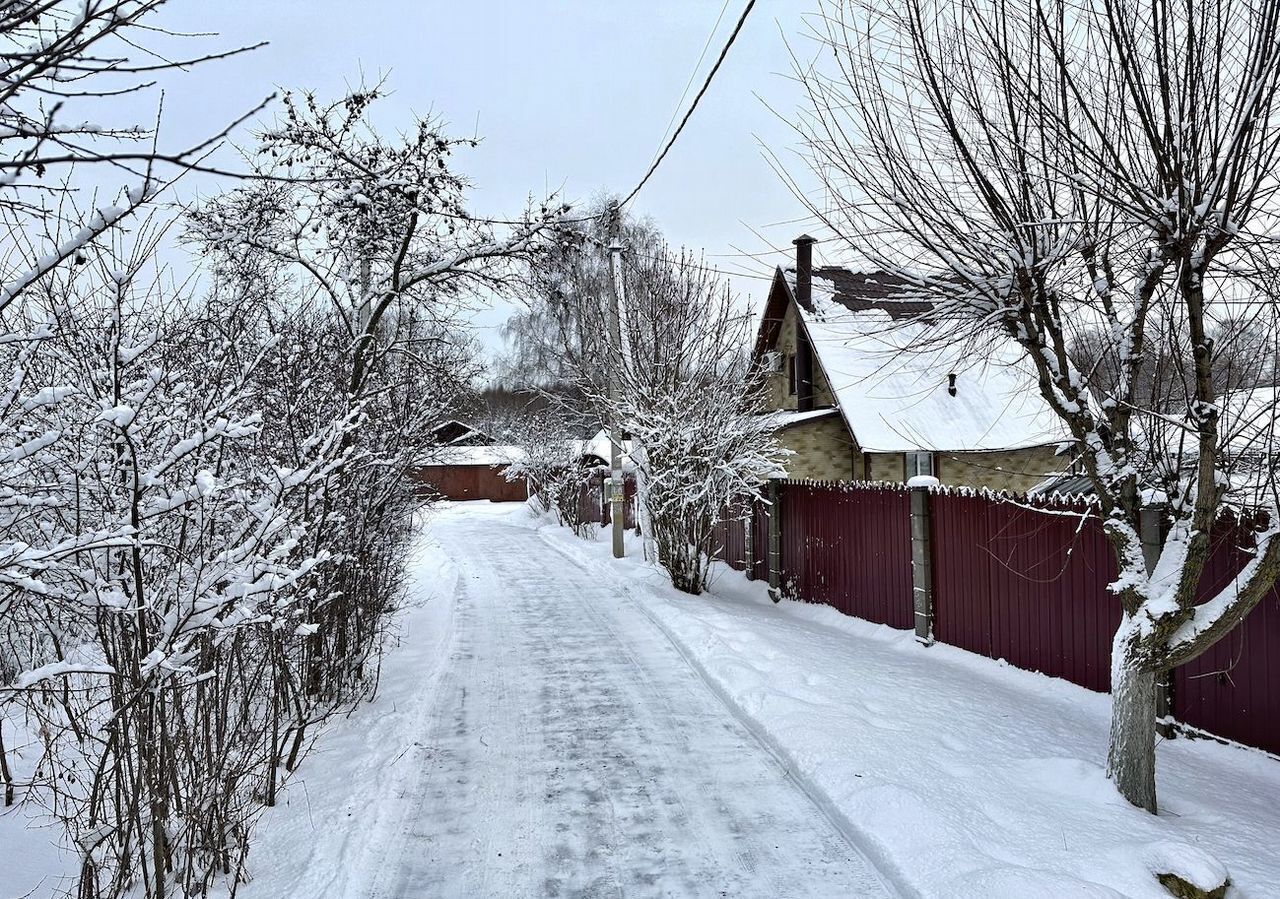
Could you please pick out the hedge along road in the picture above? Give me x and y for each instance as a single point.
(571, 750)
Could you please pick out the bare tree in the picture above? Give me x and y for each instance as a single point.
(685, 390)
(1041, 168)
(59, 59)
(546, 337)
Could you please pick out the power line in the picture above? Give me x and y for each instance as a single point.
(670, 143)
(694, 74)
(684, 121)
(704, 268)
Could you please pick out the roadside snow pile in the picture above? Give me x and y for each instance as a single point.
(963, 776)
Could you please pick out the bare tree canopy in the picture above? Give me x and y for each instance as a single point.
(1101, 175)
(546, 338)
(675, 375)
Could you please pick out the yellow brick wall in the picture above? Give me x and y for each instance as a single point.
(779, 384)
(1015, 470)
(823, 449)
(885, 467)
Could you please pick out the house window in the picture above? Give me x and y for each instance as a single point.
(791, 374)
(919, 464)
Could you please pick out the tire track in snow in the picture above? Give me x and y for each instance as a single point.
(849, 832)
(608, 769)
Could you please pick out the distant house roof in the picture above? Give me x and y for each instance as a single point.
(890, 369)
(1247, 422)
(460, 454)
(458, 433)
(600, 447)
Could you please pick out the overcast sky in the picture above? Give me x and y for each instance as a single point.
(569, 95)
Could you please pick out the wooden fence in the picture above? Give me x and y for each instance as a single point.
(1024, 580)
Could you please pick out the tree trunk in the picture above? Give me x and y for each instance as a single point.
(1131, 757)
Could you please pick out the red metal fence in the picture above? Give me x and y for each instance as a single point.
(1232, 690)
(593, 500)
(1025, 582)
(466, 482)
(760, 539)
(1021, 580)
(849, 546)
(748, 521)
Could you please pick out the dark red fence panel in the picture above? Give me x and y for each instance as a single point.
(730, 536)
(468, 482)
(849, 546)
(1233, 690)
(591, 502)
(1025, 582)
(760, 540)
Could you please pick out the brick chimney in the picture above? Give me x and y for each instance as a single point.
(804, 270)
(804, 296)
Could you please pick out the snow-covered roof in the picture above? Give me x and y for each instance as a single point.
(1248, 420)
(601, 447)
(889, 370)
(492, 454)
(497, 454)
(788, 417)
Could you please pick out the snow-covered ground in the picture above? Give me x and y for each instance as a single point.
(563, 748)
(960, 776)
(555, 722)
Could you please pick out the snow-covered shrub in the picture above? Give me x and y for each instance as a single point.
(547, 455)
(685, 390)
(204, 511)
(160, 574)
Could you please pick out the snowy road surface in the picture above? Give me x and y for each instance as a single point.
(572, 751)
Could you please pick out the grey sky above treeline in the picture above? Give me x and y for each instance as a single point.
(567, 95)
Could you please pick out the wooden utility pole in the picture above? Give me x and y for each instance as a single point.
(617, 490)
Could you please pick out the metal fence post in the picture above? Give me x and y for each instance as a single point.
(749, 535)
(1150, 529)
(775, 538)
(922, 564)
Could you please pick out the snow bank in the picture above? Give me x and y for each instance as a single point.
(338, 812)
(958, 775)
(32, 861)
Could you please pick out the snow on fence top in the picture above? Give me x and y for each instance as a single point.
(1049, 502)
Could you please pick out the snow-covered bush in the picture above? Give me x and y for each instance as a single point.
(159, 572)
(204, 511)
(684, 389)
(546, 455)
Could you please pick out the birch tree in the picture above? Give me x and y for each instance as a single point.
(1039, 168)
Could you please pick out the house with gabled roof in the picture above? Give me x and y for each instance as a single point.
(867, 386)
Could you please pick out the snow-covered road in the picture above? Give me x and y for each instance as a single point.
(572, 751)
(553, 722)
